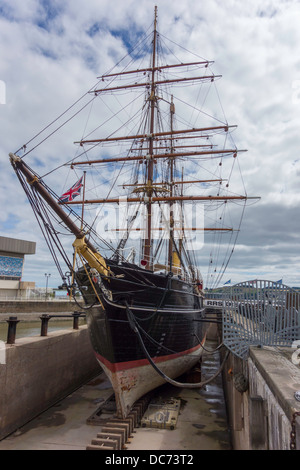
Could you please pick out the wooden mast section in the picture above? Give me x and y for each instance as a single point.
(156, 135)
(148, 241)
(171, 168)
(159, 82)
(163, 199)
(158, 69)
(151, 188)
(152, 157)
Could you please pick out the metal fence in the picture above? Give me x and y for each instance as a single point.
(37, 298)
(262, 313)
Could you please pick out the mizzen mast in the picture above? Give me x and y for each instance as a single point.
(171, 164)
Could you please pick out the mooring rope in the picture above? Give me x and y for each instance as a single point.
(133, 324)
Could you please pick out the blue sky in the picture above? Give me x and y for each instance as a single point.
(51, 53)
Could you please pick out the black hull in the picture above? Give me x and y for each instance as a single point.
(166, 312)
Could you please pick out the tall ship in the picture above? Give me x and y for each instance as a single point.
(151, 178)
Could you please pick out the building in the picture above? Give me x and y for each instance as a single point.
(12, 255)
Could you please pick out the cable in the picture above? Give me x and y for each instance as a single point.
(134, 327)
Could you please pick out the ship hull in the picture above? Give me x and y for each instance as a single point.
(134, 330)
(132, 380)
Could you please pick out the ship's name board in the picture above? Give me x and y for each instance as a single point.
(216, 303)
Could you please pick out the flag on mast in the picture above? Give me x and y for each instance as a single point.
(74, 191)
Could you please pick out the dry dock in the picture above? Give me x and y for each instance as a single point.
(52, 385)
(201, 425)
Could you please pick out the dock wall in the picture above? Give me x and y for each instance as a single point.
(36, 372)
(9, 307)
(260, 400)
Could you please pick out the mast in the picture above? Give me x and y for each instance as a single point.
(155, 146)
(148, 241)
(181, 215)
(171, 163)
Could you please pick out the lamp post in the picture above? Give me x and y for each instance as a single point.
(47, 278)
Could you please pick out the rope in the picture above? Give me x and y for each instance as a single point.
(134, 327)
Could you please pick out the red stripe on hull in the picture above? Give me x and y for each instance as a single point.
(114, 367)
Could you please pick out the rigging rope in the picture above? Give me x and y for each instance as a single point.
(134, 54)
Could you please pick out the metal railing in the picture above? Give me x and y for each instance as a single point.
(260, 313)
(41, 297)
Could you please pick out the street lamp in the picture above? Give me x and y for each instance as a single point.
(47, 278)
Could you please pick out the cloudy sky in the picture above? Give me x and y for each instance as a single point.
(51, 53)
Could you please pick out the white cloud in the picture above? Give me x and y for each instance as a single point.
(52, 52)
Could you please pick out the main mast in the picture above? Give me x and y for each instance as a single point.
(147, 192)
(147, 249)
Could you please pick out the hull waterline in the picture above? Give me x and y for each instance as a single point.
(130, 381)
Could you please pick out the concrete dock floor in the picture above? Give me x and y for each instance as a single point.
(202, 423)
